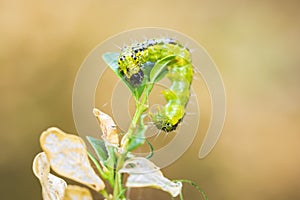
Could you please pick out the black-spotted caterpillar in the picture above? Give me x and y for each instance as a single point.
(180, 72)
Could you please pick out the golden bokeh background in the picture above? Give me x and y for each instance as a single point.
(255, 44)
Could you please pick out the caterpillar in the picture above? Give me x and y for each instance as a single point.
(180, 72)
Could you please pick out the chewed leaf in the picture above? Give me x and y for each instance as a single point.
(143, 173)
(74, 192)
(53, 187)
(108, 127)
(68, 157)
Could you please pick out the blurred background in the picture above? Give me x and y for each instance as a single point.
(254, 43)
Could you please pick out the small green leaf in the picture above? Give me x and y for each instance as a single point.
(111, 160)
(160, 68)
(111, 59)
(138, 138)
(99, 147)
(106, 154)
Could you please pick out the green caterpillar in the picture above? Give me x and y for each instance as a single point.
(180, 72)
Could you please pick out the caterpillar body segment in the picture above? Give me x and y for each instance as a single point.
(168, 117)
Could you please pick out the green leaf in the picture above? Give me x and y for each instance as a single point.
(106, 154)
(111, 59)
(99, 147)
(111, 160)
(161, 68)
(104, 151)
(138, 138)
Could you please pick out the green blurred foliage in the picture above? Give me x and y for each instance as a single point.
(255, 44)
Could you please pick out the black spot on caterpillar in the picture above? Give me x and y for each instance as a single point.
(180, 73)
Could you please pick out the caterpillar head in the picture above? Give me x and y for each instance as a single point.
(167, 118)
(164, 123)
(130, 67)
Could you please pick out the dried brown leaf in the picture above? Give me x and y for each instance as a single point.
(107, 126)
(68, 157)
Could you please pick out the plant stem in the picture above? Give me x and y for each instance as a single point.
(104, 193)
(95, 161)
(141, 107)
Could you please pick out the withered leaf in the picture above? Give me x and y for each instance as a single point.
(53, 187)
(68, 157)
(108, 127)
(143, 173)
